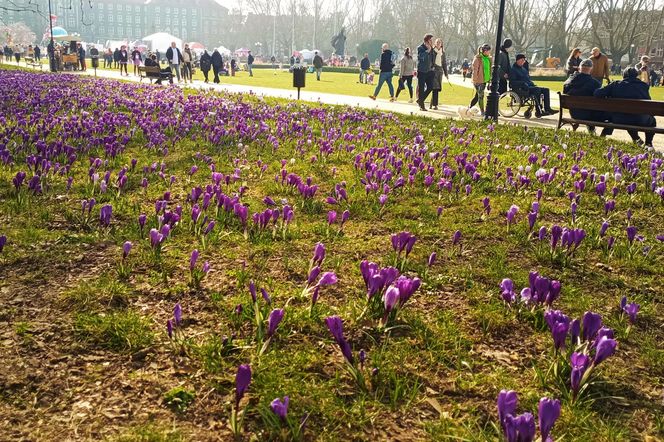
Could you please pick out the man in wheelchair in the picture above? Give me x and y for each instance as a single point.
(521, 83)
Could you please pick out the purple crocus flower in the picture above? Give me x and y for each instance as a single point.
(193, 259)
(542, 233)
(169, 329)
(273, 320)
(344, 217)
(603, 229)
(319, 254)
(336, 327)
(605, 347)
(313, 274)
(592, 322)
(155, 238)
(432, 259)
(252, 291)
(266, 296)
(177, 313)
(631, 234)
(331, 217)
(3, 241)
(280, 408)
(575, 331)
(105, 215)
(631, 309)
(559, 325)
(507, 287)
(579, 363)
(328, 278)
(507, 402)
(456, 238)
(511, 213)
(391, 299)
(126, 248)
(242, 381)
(548, 412)
(525, 427)
(141, 220)
(532, 218)
(623, 302)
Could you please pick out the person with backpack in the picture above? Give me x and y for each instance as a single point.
(386, 66)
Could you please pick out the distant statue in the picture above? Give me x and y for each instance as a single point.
(339, 43)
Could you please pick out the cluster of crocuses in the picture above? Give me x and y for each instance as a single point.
(314, 283)
(540, 291)
(590, 343)
(521, 428)
(562, 240)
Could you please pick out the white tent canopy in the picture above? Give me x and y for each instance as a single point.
(306, 54)
(162, 41)
(224, 51)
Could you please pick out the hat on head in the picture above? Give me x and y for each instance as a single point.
(587, 63)
(507, 43)
(485, 47)
(520, 56)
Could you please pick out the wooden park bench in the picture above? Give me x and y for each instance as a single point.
(610, 105)
(151, 72)
(30, 61)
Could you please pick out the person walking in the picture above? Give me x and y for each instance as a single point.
(174, 57)
(318, 65)
(217, 62)
(250, 64)
(136, 60)
(123, 59)
(465, 67)
(630, 87)
(600, 66)
(80, 52)
(424, 70)
(187, 58)
(574, 61)
(504, 65)
(386, 67)
(481, 75)
(406, 73)
(37, 54)
(17, 53)
(365, 65)
(206, 64)
(439, 68)
(116, 58)
(233, 67)
(108, 59)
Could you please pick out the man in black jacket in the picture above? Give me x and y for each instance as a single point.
(318, 65)
(582, 84)
(205, 63)
(116, 58)
(630, 87)
(424, 71)
(217, 64)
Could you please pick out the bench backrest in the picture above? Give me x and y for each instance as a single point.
(149, 69)
(622, 105)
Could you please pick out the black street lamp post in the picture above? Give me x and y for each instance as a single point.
(492, 99)
(51, 49)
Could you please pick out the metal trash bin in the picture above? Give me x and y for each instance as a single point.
(299, 78)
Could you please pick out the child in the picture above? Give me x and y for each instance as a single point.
(370, 77)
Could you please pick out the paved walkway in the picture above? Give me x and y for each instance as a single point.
(403, 107)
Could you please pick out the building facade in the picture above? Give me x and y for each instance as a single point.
(191, 20)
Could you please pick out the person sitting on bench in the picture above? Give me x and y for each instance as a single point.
(630, 87)
(582, 84)
(164, 74)
(520, 79)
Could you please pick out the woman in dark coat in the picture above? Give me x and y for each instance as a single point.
(217, 64)
(573, 61)
(206, 63)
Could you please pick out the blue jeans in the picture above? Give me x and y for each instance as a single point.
(385, 77)
(251, 73)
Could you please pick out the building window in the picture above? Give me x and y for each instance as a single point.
(157, 20)
(157, 10)
(176, 11)
(168, 10)
(118, 7)
(110, 18)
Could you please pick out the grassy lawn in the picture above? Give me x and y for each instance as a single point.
(143, 342)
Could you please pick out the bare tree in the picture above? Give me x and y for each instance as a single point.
(523, 20)
(568, 25)
(617, 24)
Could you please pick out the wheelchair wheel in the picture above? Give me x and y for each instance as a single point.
(509, 104)
(528, 113)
